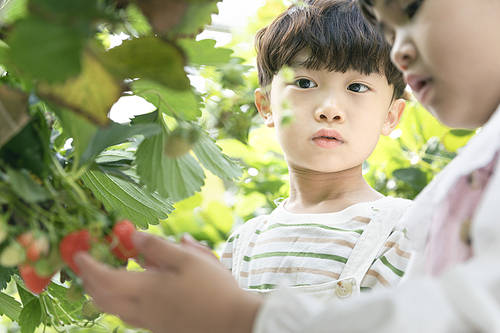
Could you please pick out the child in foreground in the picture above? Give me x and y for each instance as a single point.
(328, 71)
(449, 53)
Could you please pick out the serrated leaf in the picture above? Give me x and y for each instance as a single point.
(9, 307)
(212, 158)
(90, 94)
(174, 178)
(25, 187)
(149, 58)
(204, 52)
(5, 276)
(72, 308)
(31, 316)
(127, 199)
(13, 112)
(195, 17)
(181, 103)
(115, 134)
(57, 48)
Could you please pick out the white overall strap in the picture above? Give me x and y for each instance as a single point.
(371, 240)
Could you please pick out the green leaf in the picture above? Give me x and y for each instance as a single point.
(127, 199)
(195, 17)
(212, 158)
(115, 134)
(72, 308)
(9, 307)
(90, 94)
(25, 295)
(204, 52)
(149, 58)
(31, 316)
(137, 20)
(69, 12)
(13, 10)
(25, 187)
(57, 48)
(184, 104)
(5, 276)
(174, 178)
(414, 177)
(78, 128)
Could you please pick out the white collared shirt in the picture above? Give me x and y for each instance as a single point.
(465, 298)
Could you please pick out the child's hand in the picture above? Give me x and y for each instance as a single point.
(188, 241)
(185, 292)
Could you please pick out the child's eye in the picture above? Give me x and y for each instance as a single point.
(412, 9)
(388, 33)
(358, 87)
(305, 83)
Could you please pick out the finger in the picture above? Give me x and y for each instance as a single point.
(98, 277)
(159, 252)
(188, 241)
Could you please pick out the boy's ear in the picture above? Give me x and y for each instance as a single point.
(264, 107)
(394, 116)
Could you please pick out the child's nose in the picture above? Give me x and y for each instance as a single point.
(329, 114)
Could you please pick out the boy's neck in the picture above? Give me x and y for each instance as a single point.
(319, 192)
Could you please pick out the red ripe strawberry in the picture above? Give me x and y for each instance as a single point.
(73, 243)
(121, 241)
(33, 281)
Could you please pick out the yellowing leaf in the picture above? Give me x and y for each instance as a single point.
(91, 94)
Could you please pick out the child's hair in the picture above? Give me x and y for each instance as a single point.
(367, 9)
(337, 36)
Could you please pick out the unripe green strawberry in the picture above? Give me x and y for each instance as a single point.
(180, 141)
(12, 255)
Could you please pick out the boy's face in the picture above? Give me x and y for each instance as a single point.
(311, 107)
(449, 52)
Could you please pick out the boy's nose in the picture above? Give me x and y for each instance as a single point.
(329, 114)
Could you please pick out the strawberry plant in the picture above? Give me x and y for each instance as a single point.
(72, 179)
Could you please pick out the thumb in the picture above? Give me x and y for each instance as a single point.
(159, 252)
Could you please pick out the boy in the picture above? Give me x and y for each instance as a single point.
(329, 71)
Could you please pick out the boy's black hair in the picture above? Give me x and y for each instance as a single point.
(367, 9)
(337, 36)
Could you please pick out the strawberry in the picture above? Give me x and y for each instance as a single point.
(33, 281)
(73, 243)
(35, 246)
(25, 239)
(121, 241)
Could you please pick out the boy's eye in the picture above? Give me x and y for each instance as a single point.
(305, 83)
(358, 87)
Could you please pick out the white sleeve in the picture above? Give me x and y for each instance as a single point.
(456, 302)
(464, 299)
